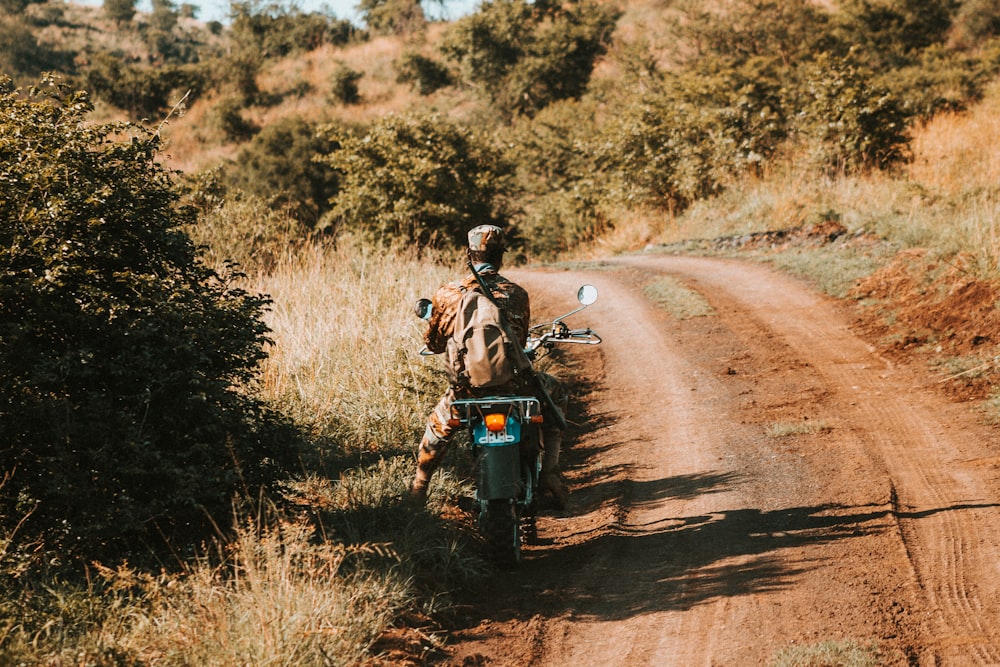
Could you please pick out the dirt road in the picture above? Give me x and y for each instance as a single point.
(748, 482)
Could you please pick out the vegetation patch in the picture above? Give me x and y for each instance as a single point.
(681, 302)
(804, 427)
(830, 653)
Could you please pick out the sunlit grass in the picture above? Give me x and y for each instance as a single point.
(345, 359)
(804, 427)
(830, 653)
(673, 297)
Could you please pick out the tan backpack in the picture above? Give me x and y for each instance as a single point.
(482, 353)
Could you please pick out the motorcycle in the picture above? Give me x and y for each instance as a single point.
(505, 439)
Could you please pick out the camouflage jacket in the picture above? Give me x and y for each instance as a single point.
(510, 297)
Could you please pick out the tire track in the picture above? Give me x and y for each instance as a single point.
(909, 433)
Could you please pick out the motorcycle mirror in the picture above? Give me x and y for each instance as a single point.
(587, 295)
(423, 308)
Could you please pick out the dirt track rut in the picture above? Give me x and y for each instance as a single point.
(699, 535)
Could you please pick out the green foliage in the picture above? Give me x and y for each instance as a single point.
(281, 165)
(557, 174)
(682, 140)
(143, 92)
(229, 117)
(741, 30)
(344, 85)
(977, 21)
(524, 56)
(246, 230)
(122, 353)
(119, 11)
(393, 17)
(892, 32)
(942, 80)
(418, 178)
(21, 56)
(850, 122)
(425, 74)
(276, 30)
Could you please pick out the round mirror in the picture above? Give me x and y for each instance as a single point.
(423, 309)
(587, 295)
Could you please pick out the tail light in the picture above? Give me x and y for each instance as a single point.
(496, 422)
(537, 419)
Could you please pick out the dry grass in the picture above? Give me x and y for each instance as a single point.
(345, 360)
(676, 299)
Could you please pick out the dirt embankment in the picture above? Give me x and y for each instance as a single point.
(764, 478)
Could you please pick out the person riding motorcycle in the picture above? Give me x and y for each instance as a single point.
(487, 244)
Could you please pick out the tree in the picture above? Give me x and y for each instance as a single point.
(122, 355)
(418, 179)
(280, 164)
(526, 55)
(120, 11)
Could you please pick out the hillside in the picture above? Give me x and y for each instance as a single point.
(224, 447)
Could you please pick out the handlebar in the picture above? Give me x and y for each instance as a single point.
(557, 332)
(540, 336)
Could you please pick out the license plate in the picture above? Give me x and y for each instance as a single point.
(508, 436)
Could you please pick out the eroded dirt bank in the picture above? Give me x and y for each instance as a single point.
(748, 481)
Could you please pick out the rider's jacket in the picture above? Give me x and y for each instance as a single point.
(511, 298)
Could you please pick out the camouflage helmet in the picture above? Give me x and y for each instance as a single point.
(486, 237)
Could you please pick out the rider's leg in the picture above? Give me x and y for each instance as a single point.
(437, 435)
(552, 437)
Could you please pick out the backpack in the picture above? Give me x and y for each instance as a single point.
(481, 352)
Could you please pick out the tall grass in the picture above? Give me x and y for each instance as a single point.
(345, 358)
(335, 559)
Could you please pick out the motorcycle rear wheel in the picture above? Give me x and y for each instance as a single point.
(501, 527)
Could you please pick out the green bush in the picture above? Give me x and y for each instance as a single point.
(281, 165)
(120, 11)
(689, 134)
(124, 421)
(144, 92)
(21, 56)
(557, 174)
(425, 74)
(344, 85)
(230, 120)
(741, 30)
(891, 33)
(525, 55)
(416, 178)
(850, 122)
(276, 29)
(393, 17)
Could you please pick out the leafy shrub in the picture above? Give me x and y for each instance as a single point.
(682, 140)
(393, 17)
(976, 21)
(120, 11)
(741, 30)
(892, 32)
(851, 123)
(556, 172)
(142, 92)
(276, 30)
(425, 74)
(122, 353)
(229, 116)
(21, 55)
(526, 55)
(246, 230)
(941, 80)
(281, 165)
(344, 84)
(418, 178)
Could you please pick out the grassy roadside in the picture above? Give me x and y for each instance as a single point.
(317, 575)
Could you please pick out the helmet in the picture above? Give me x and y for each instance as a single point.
(486, 237)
